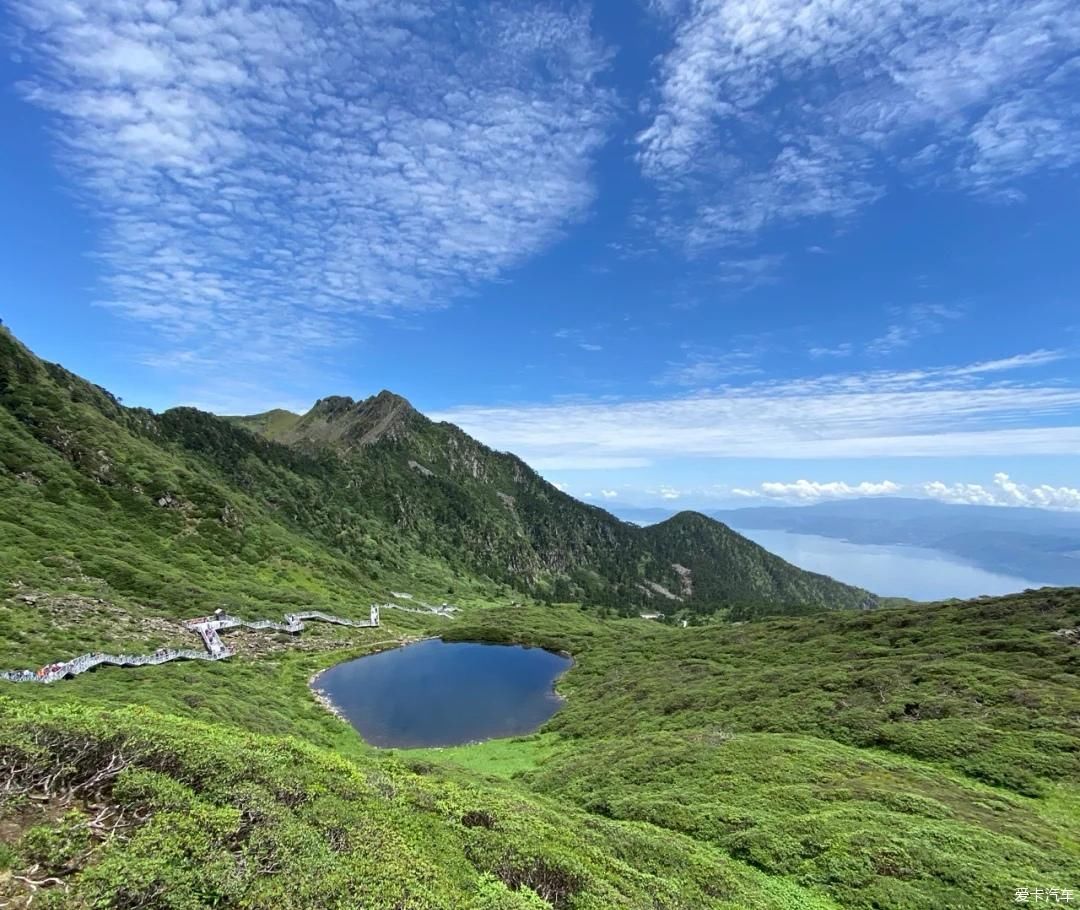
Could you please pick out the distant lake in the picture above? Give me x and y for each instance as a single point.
(893, 571)
(436, 693)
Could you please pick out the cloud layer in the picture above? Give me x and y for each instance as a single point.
(963, 410)
(766, 113)
(814, 491)
(1004, 491)
(265, 171)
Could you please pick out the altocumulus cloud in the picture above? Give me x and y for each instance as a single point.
(765, 113)
(962, 410)
(265, 170)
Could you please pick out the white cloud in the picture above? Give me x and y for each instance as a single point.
(1035, 130)
(1006, 492)
(960, 493)
(264, 172)
(705, 366)
(923, 320)
(844, 349)
(915, 322)
(945, 411)
(609, 494)
(766, 113)
(1019, 361)
(813, 491)
(749, 272)
(667, 7)
(669, 493)
(583, 461)
(577, 337)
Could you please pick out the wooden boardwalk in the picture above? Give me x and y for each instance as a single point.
(206, 627)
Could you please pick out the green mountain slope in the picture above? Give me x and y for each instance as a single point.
(176, 514)
(270, 424)
(893, 759)
(455, 496)
(221, 818)
(350, 501)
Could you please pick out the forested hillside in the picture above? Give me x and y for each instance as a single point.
(457, 497)
(342, 503)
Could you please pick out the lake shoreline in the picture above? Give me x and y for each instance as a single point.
(431, 693)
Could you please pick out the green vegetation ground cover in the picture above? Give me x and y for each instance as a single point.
(897, 759)
(185, 507)
(685, 745)
(500, 758)
(986, 687)
(914, 757)
(175, 515)
(224, 818)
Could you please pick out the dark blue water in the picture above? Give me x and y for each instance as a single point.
(437, 693)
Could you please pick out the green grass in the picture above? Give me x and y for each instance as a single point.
(270, 424)
(900, 759)
(233, 819)
(505, 758)
(756, 765)
(985, 688)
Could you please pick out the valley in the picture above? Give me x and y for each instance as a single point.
(814, 762)
(539, 455)
(798, 743)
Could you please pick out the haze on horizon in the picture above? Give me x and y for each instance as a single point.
(670, 252)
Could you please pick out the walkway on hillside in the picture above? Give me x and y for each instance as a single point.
(444, 610)
(206, 627)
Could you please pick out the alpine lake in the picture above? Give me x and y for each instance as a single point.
(435, 693)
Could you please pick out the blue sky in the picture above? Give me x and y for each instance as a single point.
(683, 253)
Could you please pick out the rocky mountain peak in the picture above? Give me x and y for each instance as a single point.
(332, 406)
(341, 420)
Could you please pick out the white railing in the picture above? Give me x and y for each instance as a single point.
(427, 609)
(206, 627)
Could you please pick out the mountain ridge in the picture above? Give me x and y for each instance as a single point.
(896, 759)
(526, 521)
(373, 483)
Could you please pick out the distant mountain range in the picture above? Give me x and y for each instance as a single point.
(1031, 543)
(186, 506)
